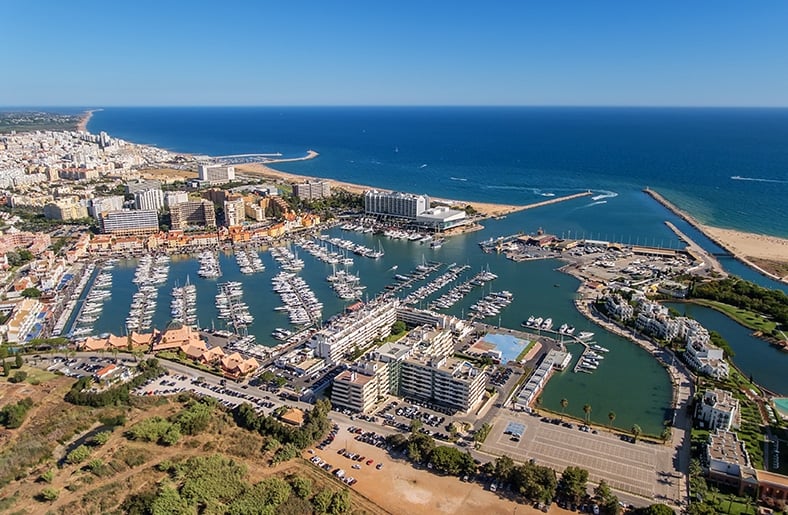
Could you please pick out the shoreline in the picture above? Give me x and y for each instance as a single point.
(742, 246)
(82, 126)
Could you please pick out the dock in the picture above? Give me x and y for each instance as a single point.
(556, 200)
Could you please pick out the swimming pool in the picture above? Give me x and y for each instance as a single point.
(509, 346)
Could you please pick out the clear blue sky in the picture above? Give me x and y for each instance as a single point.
(397, 52)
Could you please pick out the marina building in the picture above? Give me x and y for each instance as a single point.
(129, 222)
(197, 213)
(215, 174)
(702, 355)
(355, 329)
(311, 190)
(441, 218)
(23, 320)
(396, 204)
(149, 199)
(234, 212)
(554, 360)
(618, 306)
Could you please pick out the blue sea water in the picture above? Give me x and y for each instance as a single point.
(727, 167)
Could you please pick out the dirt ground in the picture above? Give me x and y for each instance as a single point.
(400, 488)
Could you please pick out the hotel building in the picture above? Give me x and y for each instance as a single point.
(311, 190)
(100, 205)
(397, 204)
(149, 199)
(234, 212)
(215, 174)
(198, 213)
(128, 222)
(718, 410)
(65, 209)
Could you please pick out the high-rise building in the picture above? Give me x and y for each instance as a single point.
(215, 174)
(234, 212)
(311, 190)
(134, 187)
(395, 203)
(99, 205)
(197, 213)
(149, 199)
(175, 197)
(130, 222)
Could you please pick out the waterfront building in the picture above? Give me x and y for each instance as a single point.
(197, 213)
(355, 329)
(718, 409)
(728, 462)
(702, 355)
(441, 218)
(215, 174)
(69, 208)
(99, 205)
(396, 204)
(618, 306)
(235, 366)
(554, 360)
(129, 222)
(255, 211)
(177, 336)
(311, 190)
(149, 199)
(142, 185)
(175, 197)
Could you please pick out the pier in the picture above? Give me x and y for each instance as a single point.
(556, 200)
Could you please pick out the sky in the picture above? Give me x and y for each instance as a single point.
(403, 52)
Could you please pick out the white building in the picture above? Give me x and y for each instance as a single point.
(702, 355)
(446, 381)
(619, 307)
(356, 329)
(215, 174)
(100, 205)
(152, 199)
(718, 410)
(234, 212)
(397, 204)
(129, 222)
(175, 197)
(440, 218)
(311, 190)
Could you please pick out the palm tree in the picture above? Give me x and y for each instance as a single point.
(587, 411)
(636, 431)
(564, 404)
(611, 417)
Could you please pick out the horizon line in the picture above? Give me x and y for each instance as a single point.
(487, 106)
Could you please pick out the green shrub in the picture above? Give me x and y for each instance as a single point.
(78, 455)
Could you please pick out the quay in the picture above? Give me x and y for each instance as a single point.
(698, 252)
(556, 200)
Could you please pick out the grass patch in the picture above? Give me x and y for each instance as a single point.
(34, 375)
(525, 350)
(748, 319)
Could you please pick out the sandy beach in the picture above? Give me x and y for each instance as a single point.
(83, 122)
(766, 254)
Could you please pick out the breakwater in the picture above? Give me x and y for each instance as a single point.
(556, 200)
(700, 227)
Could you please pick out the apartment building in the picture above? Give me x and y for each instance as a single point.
(197, 213)
(397, 204)
(130, 222)
(312, 190)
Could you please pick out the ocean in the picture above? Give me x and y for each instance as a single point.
(726, 167)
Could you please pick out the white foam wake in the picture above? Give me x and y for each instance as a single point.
(756, 179)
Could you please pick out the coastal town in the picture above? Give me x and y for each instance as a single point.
(403, 369)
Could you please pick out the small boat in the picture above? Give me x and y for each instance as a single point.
(585, 335)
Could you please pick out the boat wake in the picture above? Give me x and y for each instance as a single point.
(604, 194)
(592, 204)
(455, 178)
(756, 179)
(423, 166)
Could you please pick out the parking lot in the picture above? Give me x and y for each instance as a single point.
(229, 397)
(626, 466)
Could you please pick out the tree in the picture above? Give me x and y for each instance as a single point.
(18, 377)
(636, 431)
(302, 486)
(587, 411)
(415, 425)
(564, 404)
(322, 500)
(6, 369)
(503, 467)
(659, 509)
(340, 502)
(18, 361)
(572, 484)
(31, 293)
(666, 434)
(611, 416)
